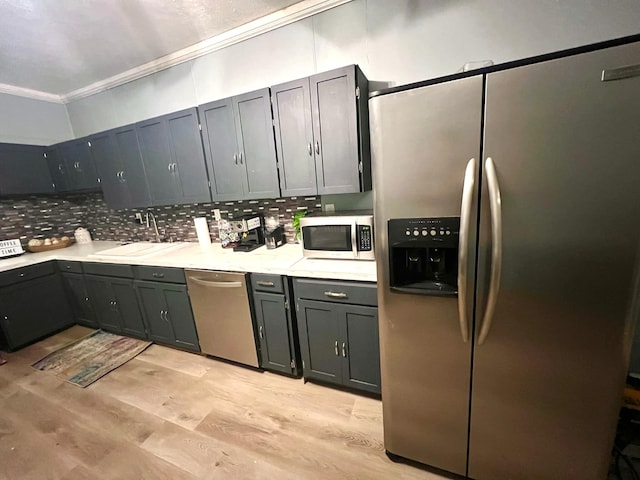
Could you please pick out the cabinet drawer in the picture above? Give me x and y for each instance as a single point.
(160, 274)
(69, 266)
(358, 293)
(26, 273)
(109, 269)
(263, 282)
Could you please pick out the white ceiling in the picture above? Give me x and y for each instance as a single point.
(61, 46)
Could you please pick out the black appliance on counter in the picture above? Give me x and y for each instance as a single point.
(251, 232)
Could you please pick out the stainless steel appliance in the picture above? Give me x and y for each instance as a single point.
(345, 236)
(506, 358)
(220, 305)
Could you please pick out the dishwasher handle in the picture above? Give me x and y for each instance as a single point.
(209, 283)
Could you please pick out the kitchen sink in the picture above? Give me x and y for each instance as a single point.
(138, 250)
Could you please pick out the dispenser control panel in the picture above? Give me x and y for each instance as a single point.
(443, 230)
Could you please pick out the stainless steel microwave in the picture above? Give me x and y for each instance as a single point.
(338, 236)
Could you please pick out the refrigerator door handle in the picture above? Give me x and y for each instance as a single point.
(495, 204)
(463, 248)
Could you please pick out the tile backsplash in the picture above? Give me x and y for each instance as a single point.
(59, 215)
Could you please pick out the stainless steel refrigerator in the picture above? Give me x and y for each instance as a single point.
(507, 358)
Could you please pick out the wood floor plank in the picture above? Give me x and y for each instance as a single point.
(176, 415)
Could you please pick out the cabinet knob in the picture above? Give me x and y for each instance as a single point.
(335, 348)
(235, 158)
(261, 333)
(309, 149)
(317, 148)
(344, 349)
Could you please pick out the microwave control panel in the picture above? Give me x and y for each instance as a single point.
(364, 238)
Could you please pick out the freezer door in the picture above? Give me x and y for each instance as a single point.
(548, 377)
(422, 142)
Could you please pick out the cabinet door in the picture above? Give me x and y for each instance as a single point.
(80, 166)
(109, 166)
(180, 316)
(127, 307)
(79, 299)
(319, 329)
(273, 331)
(58, 168)
(33, 309)
(257, 155)
(154, 310)
(158, 164)
(103, 302)
(335, 131)
(24, 170)
(221, 149)
(360, 348)
(133, 175)
(189, 169)
(294, 138)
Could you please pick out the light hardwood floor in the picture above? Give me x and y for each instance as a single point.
(173, 415)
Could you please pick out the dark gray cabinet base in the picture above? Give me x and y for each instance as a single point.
(339, 340)
(33, 309)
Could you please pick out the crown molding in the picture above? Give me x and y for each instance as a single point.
(286, 16)
(29, 93)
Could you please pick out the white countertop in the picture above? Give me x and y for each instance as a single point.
(286, 260)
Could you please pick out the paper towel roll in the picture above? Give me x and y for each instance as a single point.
(202, 230)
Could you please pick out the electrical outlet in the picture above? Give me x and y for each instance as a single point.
(139, 218)
(216, 214)
(329, 207)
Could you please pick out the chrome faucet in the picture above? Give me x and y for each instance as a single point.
(155, 226)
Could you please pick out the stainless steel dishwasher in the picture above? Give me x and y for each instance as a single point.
(220, 303)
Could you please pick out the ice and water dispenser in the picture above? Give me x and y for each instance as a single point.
(424, 255)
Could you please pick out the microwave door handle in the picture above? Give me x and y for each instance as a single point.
(354, 244)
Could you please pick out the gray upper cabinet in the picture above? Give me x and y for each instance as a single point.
(294, 137)
(23, 170)
(238, 141)
(72, 167)
(341, 130)
(117, 158)
(322, 133)
(173, 158)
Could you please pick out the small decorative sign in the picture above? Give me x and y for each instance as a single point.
(9, 248)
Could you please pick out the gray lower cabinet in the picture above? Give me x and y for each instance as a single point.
(275, 325)
(24, 170)
(322, 133)
(115, 304)
(33, 306)
(339, 340)
(79, 300)
(237, 134)
(167, 314)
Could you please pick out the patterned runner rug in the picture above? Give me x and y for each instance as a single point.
(85, 360)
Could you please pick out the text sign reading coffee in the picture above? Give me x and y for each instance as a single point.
(9, 248)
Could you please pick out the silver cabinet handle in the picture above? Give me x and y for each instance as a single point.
(157, 275)
(161, 314)
(317, 148)
(344, 350)
(262, 283)
(60, 168)
(209, 283)
(310, 148)
(122, 176)
(21, 275)
(241, 157)
(261, 333)
(235, 158)
(335, 294)
(335, 348)
(463, 248)
(174, 167)
(495, 204)
(169, 167)
(86, 299)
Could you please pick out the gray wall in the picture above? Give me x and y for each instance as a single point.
(24, 120)
(399, 41)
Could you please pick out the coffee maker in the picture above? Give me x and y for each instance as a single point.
(250, 229)
(273, 233)
(424, 255)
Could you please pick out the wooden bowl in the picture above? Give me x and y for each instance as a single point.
(44, 248)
